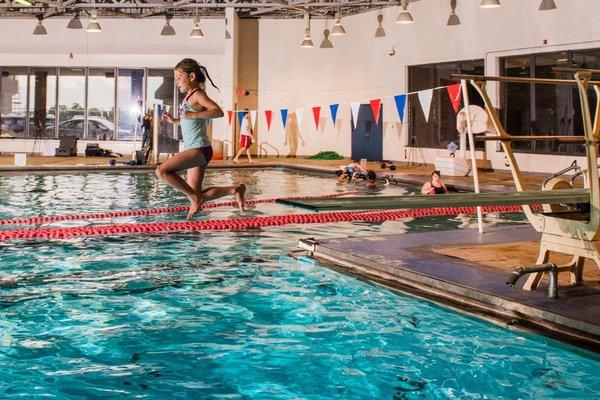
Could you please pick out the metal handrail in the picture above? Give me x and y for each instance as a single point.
(563, 171)
(271, 146)
(260, 150)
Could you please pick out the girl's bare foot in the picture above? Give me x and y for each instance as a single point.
(240, 191)
(235, 160)
(195, 204)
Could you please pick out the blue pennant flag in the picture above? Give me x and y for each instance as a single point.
(334, 110)
(284, 112)
(240, 115)
(400, 105)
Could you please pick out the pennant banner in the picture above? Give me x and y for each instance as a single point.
(268, 116)
(240, 115)
(376, 107)
(253, 115)
(316, 115)
(284, 112)
(400, 105)
(355, 107)
(229, 115)
(299, 116)
(425, 99)
(334, 109)
(454, 93)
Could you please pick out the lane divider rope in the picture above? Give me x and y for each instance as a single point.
(243, 223)
(154, 211)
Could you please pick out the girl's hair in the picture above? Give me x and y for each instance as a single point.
(189, 65)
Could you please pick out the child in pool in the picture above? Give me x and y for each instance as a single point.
(194, 110)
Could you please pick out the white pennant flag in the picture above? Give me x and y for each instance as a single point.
(425, 97)
(355, 107)
(253, 115)
(299, 116)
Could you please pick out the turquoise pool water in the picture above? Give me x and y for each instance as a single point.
(227, 315)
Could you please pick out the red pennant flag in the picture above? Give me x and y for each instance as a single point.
(229, 115)
(316, 115)
(376, 107)
(454, 93)
(268, 116)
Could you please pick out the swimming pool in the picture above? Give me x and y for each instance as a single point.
(227, 315)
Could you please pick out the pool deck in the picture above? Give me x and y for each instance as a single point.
(468, 272)
(425, 264)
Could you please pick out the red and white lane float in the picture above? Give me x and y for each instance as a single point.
(240, 223)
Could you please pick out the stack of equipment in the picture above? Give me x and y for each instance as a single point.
(67, 147)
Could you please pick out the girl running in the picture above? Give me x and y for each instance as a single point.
(194, 110)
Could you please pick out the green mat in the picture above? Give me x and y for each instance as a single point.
(326, 155)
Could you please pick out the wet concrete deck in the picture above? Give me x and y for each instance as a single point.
(408, 262)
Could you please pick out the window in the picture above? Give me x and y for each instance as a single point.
(536, 109)
(71, 98)
(440, 128)
(101, 103)
(48, 102)
(130, 103)
(516, 102)
(13, 102)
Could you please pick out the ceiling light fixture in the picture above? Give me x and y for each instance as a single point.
(338, 29)
(93, 25)
(380, 32)
(75, 22)
(546, 5)
(196, 31)
(307, 42)
(404, 17)
(326, 43)
(453, 18)
(39, 28)
(167, 30)
(489, 4)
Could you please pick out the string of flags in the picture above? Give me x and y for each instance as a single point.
(425, 97)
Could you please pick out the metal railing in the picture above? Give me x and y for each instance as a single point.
(261, 148)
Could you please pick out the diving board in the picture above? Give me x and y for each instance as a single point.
(566, 196)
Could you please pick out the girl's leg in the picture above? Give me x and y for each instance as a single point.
(195, 177)
(248, 155)
(216, 192)
(167, 171)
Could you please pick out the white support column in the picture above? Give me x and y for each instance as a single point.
(465, 92)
